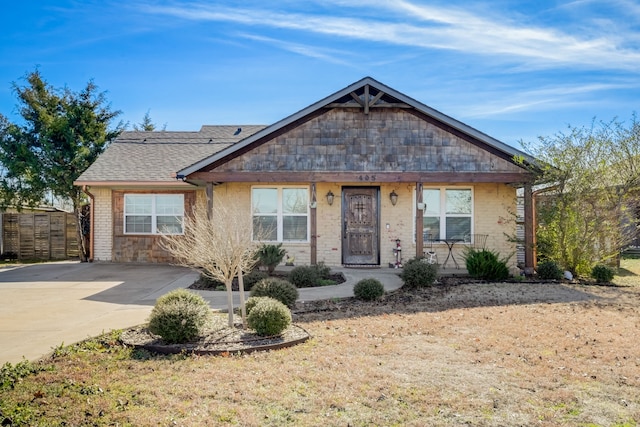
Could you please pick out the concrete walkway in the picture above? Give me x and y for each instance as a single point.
(45, 305)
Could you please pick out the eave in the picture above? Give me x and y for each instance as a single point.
(348, 98)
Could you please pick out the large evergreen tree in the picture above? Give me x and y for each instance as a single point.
(61, 133)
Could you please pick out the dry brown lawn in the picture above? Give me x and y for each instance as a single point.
(474, 354)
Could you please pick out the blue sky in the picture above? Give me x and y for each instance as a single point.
(514, 70)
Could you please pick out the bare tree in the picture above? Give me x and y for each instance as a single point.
(219, 244)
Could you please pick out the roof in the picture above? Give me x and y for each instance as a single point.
(137, 156)
(380, 93)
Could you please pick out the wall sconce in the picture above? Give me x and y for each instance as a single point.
(330, 198)
(394, 197)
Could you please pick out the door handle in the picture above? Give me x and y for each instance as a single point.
(344, 230)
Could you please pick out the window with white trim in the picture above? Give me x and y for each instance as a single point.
(448, 213)
(280, 214)
(153, 213)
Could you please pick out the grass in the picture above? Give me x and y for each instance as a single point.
(518, 354)
(629, 272)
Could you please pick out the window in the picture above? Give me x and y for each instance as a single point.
(447, 213)
(280, 214)
(153, 213)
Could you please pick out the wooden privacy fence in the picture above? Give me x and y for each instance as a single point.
(41, 236)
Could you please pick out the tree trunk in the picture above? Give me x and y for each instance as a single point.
(82, 252)
(243, 310)
(229, 286)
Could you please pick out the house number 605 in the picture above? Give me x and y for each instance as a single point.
(367, 177)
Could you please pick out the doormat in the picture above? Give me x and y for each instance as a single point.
(361, 265)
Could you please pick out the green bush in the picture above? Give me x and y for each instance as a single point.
(251, 302)
(309, 276)
(278, 289)
(209, 283)
(368, 289)
(253, 277)
(549, 270)
(270, 256)
(602, 273)
(324, 272)
(305, 276)
(268, 317)
(485, 264)
(417, 273)
(179, 316)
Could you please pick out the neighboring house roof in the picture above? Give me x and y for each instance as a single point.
(374, 93)
(153, 157)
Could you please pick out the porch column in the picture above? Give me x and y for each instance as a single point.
(529, 231)
(209, 193)
(313, 223)
(419, 222)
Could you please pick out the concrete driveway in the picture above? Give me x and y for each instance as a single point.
(45, 305)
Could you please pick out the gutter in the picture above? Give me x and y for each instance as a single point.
(91, 220)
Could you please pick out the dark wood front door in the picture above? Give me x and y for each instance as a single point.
(360, 242)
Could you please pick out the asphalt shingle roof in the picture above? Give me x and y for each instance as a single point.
(137, 156)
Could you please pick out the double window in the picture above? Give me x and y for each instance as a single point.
(280, 214)
(448, 213)
(153, 213)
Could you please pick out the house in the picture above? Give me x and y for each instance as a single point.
(344, 181)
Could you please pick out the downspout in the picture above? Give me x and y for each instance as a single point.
(91, 220)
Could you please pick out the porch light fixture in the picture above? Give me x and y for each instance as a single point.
(394, 197)
(330, 198)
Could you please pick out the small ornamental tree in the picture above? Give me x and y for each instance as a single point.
(219, 243)
(587, 210)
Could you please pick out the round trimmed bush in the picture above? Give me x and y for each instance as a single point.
(269, 317)
(305, 276)
(278, 289)
(368, 289)
(251, 302)
(417, 273)
(549, 270)
(179, 316)
(602, 273)
(253, 277)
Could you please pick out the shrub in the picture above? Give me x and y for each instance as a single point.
(602, 273)
(179, 316)
(417, 273)
(270, 256)
(324, 272)
(277, 289)
(304, 276)
(251, 302)
(209, 283)
(268, 317)
(253, 277)
(549, 270)
(368, 289)
(485, 264)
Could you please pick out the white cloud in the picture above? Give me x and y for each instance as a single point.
(547, 98)
(436, 27)
(329, 55)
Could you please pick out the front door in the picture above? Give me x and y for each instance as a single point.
(360, 242)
